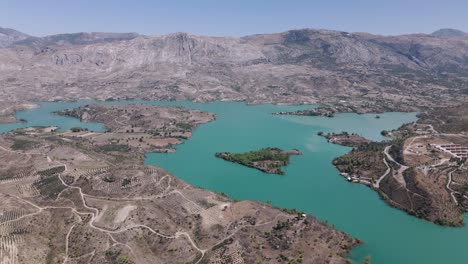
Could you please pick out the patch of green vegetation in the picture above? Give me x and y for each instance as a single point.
(236, 87)
(20, 132)
(282, 224)
(248, 158)
(53, 138)
(51, 171)
(184, 126)
(453, 223)
(275, 156)
(49, 187)
(109, 178)
(296, 260)
(50, 255)
(78, 129)
(348, 164)
(126, 182)
(396, 151)
(173, 88)
(365, 157)
(223, 243)
(116, 257)
(22, 144)
(367, 260)
(115, 147)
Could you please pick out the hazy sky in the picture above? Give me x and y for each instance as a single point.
(232, 17)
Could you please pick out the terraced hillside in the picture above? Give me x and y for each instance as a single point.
(415, 170)
(66, 198)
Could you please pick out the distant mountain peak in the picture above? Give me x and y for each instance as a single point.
(11, 32)
(80, 38)
(449, 33)
(9, 36)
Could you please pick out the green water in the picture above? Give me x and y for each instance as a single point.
(311, 183)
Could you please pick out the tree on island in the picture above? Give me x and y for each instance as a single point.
(367, 260)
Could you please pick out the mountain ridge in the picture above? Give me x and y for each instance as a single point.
(449, 33)
(80, 38)
(114, 36)
(369, 72)
(9, 36)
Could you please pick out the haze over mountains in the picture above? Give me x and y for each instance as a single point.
(9, 36)
(449, 33)
(404, 72)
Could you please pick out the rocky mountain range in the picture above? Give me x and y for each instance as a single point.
(10, 36)
(364, 71)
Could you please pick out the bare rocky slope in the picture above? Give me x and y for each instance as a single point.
(370, 72)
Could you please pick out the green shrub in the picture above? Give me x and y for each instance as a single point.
(115, 147)
(76, 129)
(21, 144)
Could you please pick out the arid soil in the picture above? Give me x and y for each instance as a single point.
(412, 172)
(70, 198)
(139, 127)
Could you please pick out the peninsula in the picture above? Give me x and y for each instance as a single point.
(344, 139)
(8, 110)
(421, 169)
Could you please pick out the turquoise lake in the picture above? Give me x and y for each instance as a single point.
(311, 183)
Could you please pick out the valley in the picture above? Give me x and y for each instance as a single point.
(114, 148)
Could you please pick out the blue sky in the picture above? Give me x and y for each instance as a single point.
(232, 18)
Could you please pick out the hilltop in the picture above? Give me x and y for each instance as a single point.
(449, 33)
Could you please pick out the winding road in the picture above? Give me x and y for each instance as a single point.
(377, 183)
(453, 192)
(95, 212)
(399, 175)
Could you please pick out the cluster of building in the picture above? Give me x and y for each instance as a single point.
(455, 150)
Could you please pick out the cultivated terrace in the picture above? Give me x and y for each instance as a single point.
(87, 197)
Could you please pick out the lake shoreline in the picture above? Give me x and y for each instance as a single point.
(315, 176)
